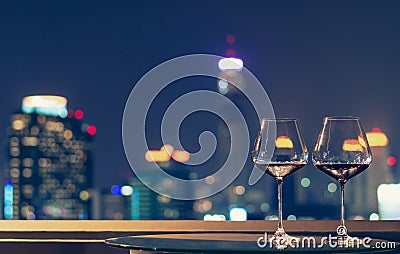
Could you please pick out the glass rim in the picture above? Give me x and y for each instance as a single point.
(278, 119)
(341, 118)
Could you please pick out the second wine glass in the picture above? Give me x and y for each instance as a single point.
(289, 155)
(342, 152)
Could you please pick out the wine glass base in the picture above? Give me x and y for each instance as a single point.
(280, 240)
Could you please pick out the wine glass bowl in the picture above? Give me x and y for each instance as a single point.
(279, 156)
(342, 152)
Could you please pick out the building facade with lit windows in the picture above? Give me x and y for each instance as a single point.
(146, 204)
(136, 201)
(49, 174)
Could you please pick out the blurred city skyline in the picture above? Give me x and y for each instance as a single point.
(314, 59)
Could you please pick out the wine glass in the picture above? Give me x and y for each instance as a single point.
(342, 152)
(289, 155)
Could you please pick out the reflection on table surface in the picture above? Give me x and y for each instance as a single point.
(247, 243)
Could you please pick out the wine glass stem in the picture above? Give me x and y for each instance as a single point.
(342, 204)
(280, 224)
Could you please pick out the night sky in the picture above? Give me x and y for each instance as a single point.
(314, 58)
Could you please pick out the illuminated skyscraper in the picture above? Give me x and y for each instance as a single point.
(49, 167)
(257, 199)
